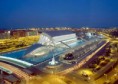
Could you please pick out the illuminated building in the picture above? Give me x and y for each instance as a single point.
(49, 41)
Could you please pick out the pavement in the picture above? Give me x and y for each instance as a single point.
(17, 71)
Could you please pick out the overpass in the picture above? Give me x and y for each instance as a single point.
(16, 62)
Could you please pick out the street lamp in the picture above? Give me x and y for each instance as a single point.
(106, 76)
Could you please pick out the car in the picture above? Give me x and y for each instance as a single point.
(73, 62)
(69, 56)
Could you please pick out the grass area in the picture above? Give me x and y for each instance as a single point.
(7, 45)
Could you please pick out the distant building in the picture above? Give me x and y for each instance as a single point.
(31, 32)
(4, 34)
(89, 35)
(23, 33)
(18, 33)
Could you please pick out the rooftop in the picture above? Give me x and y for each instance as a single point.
(58, 33)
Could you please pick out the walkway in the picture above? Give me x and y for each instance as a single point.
(14, 61)
(16, 71)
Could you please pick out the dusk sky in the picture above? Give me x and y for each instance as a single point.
(58, 13)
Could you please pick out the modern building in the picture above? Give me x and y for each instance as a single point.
(18, 33)
(90, 34)
(4, 34)
(50, 40)
(56, 37)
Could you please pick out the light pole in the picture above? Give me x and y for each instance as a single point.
(106, 76)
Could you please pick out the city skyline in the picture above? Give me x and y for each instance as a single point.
(59, 13)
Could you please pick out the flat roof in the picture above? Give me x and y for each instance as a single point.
(58, 33)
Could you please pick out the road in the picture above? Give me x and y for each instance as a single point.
(83, 61)
(16, 71)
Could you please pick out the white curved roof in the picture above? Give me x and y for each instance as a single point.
(53, 37)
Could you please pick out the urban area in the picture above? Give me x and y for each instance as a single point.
(59, 55)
